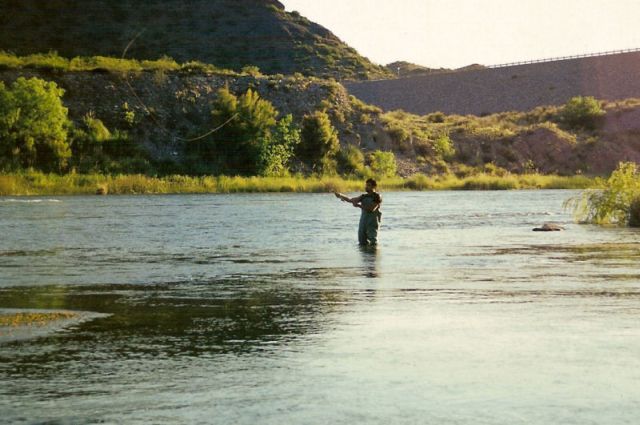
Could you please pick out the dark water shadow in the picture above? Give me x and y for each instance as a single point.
(151, 322)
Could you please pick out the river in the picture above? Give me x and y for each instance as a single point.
(261, 308)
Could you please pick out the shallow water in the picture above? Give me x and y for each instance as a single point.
(262, 309)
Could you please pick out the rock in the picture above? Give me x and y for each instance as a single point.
(549, 227)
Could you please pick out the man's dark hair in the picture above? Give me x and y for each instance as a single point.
(372, 182)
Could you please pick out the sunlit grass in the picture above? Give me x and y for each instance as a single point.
(33, 319)
(53, 61)
(36, 183)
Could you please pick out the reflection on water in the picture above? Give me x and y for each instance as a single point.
(263, 309)
(369, 260)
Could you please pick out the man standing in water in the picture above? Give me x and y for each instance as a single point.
(369, 203)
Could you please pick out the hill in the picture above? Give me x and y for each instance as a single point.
(159, 112)
(403, 69)
(226, 33)
(481, 91)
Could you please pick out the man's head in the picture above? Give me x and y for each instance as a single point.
(371, 185)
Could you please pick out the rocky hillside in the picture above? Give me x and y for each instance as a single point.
(481, 91)
(162, 111)
(227, 33)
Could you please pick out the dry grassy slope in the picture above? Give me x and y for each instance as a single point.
(226, 33)
(516, 88)
(548, 150)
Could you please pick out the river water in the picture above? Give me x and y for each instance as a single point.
(250, 309)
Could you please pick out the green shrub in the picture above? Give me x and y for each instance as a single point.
(398, 133)
(96, 128)
(86, 144)
(128, 116)
(251, 70)
(362, 107)
(165, 63)
(319, 141)
(436, 117)
(351, 161)
(277, 148)
(383, 164)
(9, 60)
(49, 61)
(444, 147)
(615, 203)
(33, 125)
(581, 112)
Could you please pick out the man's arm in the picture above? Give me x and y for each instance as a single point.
(345, 198)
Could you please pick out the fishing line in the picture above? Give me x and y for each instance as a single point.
(152, 115)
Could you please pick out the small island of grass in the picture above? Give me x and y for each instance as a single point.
(18, 319)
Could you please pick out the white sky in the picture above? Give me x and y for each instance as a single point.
(455, 33)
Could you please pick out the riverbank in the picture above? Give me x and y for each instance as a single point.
(34, 183)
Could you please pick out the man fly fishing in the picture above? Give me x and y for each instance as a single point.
(371, 216)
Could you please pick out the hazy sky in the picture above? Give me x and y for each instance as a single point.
(455, 33)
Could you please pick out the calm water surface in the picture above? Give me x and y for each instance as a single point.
(262, 309)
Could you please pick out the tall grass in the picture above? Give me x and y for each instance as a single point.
(36, 183)
(53, 61)
(484, 181)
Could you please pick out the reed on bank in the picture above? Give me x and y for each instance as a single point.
(37, 183)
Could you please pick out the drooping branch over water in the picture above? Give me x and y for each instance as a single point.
(616, 200)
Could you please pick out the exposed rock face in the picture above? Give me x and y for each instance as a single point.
(515, 88)
(546, 150)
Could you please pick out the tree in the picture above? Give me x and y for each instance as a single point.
(33, 125)
(278, 148)
(245, 123)
(319, 141)
(444, 147)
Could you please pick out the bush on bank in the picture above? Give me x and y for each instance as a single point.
(616, 200)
